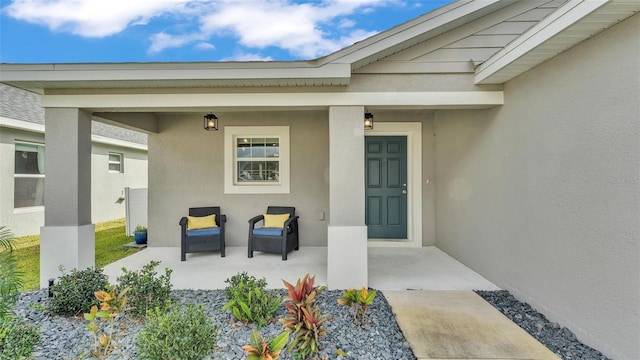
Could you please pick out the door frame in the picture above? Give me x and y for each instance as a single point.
(413, 132)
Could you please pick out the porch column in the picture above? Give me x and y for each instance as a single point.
(68, 236)
(347, 233)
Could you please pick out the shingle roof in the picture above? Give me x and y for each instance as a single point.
(20, 105)
(115, 132)
(23, 105)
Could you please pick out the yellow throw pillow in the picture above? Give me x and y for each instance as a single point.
(201, 222)
(275, 220)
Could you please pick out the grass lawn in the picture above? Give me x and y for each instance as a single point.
(110, 238)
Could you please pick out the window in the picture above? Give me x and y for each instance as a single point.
(115, 163)
(256, 159)
(28, 175)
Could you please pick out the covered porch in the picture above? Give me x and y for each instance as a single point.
(426, 268)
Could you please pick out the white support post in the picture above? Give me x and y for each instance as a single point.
(68, 236)
(347, 234)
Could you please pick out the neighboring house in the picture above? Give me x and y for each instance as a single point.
(516, 122)
(118, 160)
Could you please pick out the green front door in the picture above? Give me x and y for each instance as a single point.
(386, 187)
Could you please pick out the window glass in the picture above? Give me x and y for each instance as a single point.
(115, 163)
(257, 160)
(28, 187)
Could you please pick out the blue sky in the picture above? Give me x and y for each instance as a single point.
(81, 31)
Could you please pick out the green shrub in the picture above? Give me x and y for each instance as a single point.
(261, 349)
(360, 299)
(177, 332)
(17, 338)
(73, 293)
(10, 277)
(248, 300)
(146, 290)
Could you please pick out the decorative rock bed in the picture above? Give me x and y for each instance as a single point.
(379, 338)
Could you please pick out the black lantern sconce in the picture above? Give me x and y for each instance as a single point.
(368, 121)
(210, 122)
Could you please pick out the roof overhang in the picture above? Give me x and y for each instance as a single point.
(573, 23)
(41, 77)
(333, 70)
(258, 101)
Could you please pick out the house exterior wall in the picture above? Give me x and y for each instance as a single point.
(106, 187)
(542, 195)
(201, 178)
(25, 221)
(186, 169)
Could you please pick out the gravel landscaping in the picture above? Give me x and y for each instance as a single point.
(379, 338)
(558, 339)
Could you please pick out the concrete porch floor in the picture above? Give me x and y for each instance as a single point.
(429, 291)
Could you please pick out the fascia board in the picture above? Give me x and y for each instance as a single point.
(552, 25)
(117, 142)
(157, 71)
(21, 125)
(180, 102)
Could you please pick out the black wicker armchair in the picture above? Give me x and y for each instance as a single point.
(274, 239)
(202, 239)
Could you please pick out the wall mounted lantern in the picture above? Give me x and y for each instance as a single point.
(210, 122)
(368, 121)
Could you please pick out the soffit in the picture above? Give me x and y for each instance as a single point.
(568, 26)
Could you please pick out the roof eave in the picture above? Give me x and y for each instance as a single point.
(535, 47)
(39, 77)
(414, 31)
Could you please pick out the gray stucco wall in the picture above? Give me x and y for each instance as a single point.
(106, 187)
(24, 221)
(186, 169)
(542, 195)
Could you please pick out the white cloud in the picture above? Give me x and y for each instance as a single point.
(297, 28)
(161, 41)
(90, 18)
(205, 46)
(305, 30)
(347, 23)
(240, 56)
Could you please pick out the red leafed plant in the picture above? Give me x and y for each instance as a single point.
(303, 317)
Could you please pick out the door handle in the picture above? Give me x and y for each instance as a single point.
(404, 191)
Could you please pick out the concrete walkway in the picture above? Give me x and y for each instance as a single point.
(429, 291)
(460, 325)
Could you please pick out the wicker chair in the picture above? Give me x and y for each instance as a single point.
(204, 239)
(274, 239)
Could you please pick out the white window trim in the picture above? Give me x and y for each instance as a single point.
(121, 162)
(231, 133)
(27, 209)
